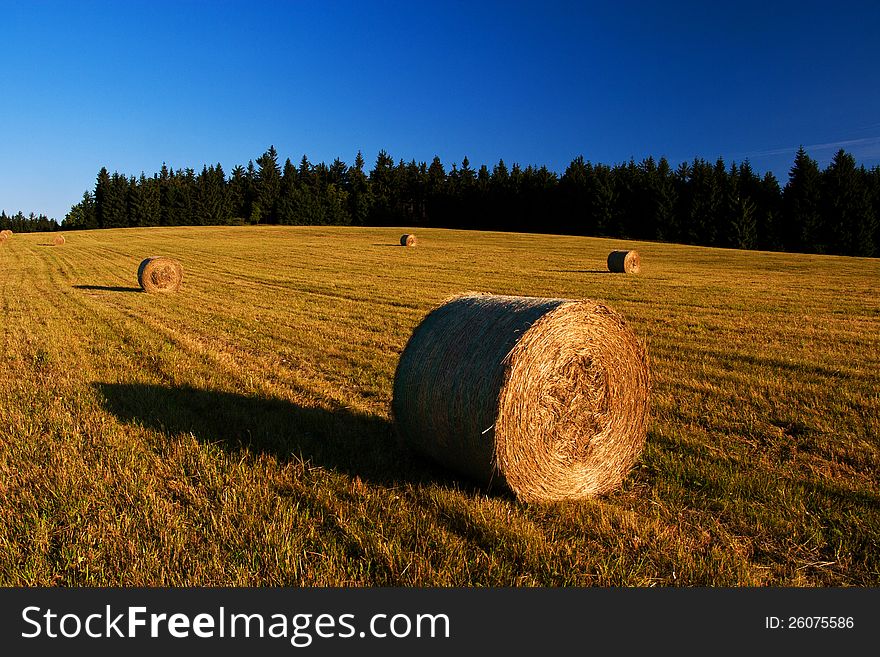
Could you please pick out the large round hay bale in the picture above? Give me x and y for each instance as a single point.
(6, 233)
(407, 240)
(58, 240)
(548, 396)
(160, 274)
(624, 262)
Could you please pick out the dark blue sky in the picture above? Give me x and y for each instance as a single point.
(129, 85)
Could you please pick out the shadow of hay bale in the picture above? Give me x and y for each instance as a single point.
(339, 440)
(108, 288)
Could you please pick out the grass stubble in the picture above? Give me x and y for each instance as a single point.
(238, 433)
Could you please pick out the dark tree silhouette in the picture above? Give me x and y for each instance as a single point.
(834, 211)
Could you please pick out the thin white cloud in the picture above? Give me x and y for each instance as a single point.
(850, 144)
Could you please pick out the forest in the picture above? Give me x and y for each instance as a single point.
(19, 223)
(835, 210)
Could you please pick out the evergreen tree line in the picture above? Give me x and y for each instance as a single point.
(19, 223)
(835, 210)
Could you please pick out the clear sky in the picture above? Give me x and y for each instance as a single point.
(130, 85)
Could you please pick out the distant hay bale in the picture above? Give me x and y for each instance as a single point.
(407, 240)
(6, 233)
(160, 274)
(58, 240)
(548, 396)
(624, 262)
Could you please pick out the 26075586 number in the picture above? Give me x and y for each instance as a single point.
(820, 622)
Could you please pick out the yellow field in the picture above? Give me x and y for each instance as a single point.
(238, 432)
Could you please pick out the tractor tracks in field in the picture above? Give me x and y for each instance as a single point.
(147, 336)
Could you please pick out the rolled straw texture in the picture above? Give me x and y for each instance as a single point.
(548, 396)
(58, 240)
(624, 262)
(160, 274)
(407, 240)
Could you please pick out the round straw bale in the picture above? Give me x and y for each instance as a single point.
(624, 262)
(407, 240)
(160, 274)
(6, 233)
(547, 396)
(58, 240)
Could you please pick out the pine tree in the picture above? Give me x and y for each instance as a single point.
(436, 197)
(212, 200)
(602, 201)
(102, 187)
(144, 201)
(846, 208)
(873, 185)
(114, 200)
(542, 202)
(81, 215)
(573, 196)
(739, 229)
(268, 185)
(236, 194)
(629, 200)
(178, 202)
(134, 202)
(251, 207)
(663, 201)
(359, 196)
(382, 185)
(334, 200)
(412, 184)
(288, 198)
(467, 176)
(705, 196)
(337, 174)
(769, 213)
(802, 225)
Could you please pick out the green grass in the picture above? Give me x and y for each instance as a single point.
(238, 433)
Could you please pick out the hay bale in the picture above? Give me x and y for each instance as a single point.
(58, 240)
(6, 233)
(547, 396)
(407, 240)
(160, 274)
(624, 262)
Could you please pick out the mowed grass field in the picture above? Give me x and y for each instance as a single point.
(238, 432)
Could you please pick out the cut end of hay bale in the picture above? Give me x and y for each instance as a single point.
(159, 274)
(5, 234)
(58, 240)
(548, 396)
(624, 262)
(407, 240)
